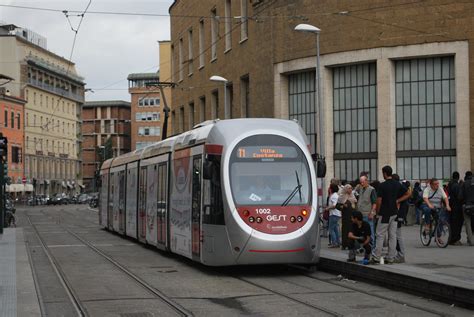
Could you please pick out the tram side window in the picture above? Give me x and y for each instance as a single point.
(213, 205)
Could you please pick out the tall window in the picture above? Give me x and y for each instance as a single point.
(18, 119)
(244, 97)
(173, 120)
(181, 119)
(228, 25)
(202, 109)
(214, 30)
(201, 43)
(230, 99)
(5, 120)
(12, 119)
(426, 120)
(244, 27)
(302, 103)
(215, 104)
(190, 52)
(191, 115)
(172, 64)
(355, 121)
(180, 59)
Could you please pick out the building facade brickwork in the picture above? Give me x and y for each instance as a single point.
(403, 53)
(11, 110)
(103, 120)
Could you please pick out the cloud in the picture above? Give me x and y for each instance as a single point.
(108, 47)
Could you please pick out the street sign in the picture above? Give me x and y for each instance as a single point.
(23, 180)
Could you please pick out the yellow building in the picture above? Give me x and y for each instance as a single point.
(165, 77)
(55, 94)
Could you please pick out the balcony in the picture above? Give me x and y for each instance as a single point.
(56, 90)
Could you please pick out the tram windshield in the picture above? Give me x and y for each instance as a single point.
(269, 170)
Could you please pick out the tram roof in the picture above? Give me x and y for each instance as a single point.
(199, 134)
(127, 158)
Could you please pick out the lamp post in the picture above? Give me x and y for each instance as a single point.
(225, 81)
(307, 28)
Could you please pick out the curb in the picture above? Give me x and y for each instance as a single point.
(451, 294)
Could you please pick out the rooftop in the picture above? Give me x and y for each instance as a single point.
(144, 76)
(106, 103)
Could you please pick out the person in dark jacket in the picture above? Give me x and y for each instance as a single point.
(346, 204)
(466, 198)
(457, 218)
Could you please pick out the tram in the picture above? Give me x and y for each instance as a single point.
(230, 192)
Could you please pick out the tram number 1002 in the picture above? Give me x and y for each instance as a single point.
(263, 211)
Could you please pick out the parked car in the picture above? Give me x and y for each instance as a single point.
(83, 199)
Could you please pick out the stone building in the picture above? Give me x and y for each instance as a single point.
(103, 120)
(55, 94)
(396, 78)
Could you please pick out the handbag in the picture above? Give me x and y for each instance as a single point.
(469, 209)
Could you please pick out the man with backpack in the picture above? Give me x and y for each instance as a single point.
(466, 198)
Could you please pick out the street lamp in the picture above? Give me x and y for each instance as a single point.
(308, 28)
(225, 81)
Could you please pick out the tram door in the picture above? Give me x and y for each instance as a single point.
(110, 207)
(196, 207)
(121, 199)
(161, 203)
(142, 205)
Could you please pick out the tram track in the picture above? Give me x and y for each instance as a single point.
(355, 289)
(291, 298)
(268, 289)
(75, 300)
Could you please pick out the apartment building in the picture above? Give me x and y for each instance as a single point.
(52, 126)
(103, 122)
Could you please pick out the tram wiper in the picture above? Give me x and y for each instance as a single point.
(293, 193)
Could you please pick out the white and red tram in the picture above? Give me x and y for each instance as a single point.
(227, 192)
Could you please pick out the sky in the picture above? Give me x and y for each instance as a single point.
(108, 47)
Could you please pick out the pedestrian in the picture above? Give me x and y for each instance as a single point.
(457, 217)
(359, 237)
(404, 205)
(346, 204)
(334, 216)
(417, 200)
(433, 198)
(389, 196)
(466, 198)
(366, 204)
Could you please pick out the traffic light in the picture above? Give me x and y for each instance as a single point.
(5, 169)
(4, 148)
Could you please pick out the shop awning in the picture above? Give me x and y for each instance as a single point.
(16, 188)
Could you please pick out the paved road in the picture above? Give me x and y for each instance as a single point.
(80, 268)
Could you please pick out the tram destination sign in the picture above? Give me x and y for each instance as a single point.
(266, 152)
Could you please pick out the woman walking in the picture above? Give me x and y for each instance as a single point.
(334, 216)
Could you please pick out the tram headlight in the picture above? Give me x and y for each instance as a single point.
(251, 219)
(304, 212)
(300, 218)
(292, 219)
(246, 213)
(259, 220)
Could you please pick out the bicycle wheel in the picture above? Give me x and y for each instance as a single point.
(442, 233)
(425, 237)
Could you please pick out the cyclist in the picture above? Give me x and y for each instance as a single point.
(433, 198)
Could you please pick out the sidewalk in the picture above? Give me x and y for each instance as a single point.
(17, 289)
(445, 274)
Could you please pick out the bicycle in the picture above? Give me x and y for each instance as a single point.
(441, 232)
